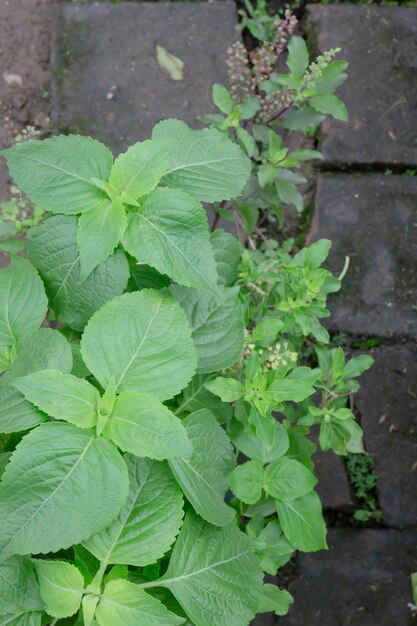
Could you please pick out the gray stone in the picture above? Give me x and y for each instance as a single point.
(373, 220)
(363, 580)
(333, 486)
(380, 44)
(107, 80)
(387, 402)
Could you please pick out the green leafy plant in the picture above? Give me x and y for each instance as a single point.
(361, 469)
(176, 353)
(262, 106)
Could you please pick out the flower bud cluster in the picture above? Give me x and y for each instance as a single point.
(280, 354)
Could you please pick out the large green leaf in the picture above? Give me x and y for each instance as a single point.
(23, 303)
(204, 477)
(302, 522)
(56, 173)
(149, 521)
(226, 250)
(53, 251)
(143, 340)
(24, 618)
(204, 163)
(18, 586)
(141, 424)
(16, 413)
(214, 574)
(123, 602)
(99, 232)
(61, 473)
(138, 171)
(217, 325)
(62, 396)
(170, 232)
(61, 586)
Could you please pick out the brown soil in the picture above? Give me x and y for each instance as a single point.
(24, 71)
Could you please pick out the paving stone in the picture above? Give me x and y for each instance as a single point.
(362, 580)
(387, 403)
(380, 44)
(333, 486)
(107, 80)
(373, 220)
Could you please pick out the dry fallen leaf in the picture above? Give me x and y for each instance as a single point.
(13, 79)
(170, 63)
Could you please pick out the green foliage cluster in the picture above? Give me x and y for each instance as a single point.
(257, 113)
(362, 475)
(155, 449)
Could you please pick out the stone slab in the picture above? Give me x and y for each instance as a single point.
(380, 44)
(333, 486)
(387, 402)
(373, 220)
(362, 580)
(107, 80)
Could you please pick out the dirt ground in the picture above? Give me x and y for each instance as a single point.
(24, 71)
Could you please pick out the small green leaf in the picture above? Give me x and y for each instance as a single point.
(141, 424)
(61, 396)
(287, 479)
(249, 108)
(144, 341)
(286, 390)
(149, 521)
(214, 574)
(246, 481)
(170, 63)
(204, 477)
(266, 451)
(289, 194)
(61, 587)
(99, 232)
(297, 59)
(267, 329)
(328, 103)
(228, 389)
(302, 119)
(138, 170)
(56, 173)
(123, 602)
(222, 99)
(302, 522)
(89, 605)
(275, 600)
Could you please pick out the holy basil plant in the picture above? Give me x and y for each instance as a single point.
(166, 353)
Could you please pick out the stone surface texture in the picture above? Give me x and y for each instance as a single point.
(107, 80)
(363, 580)
(380, 44)
(387, 402)
(333, 486)
(373, 220)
